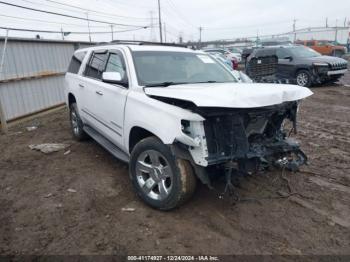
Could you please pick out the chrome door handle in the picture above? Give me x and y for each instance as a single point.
(81, 85)
(99, 93)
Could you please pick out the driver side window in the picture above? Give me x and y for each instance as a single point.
(115, 64)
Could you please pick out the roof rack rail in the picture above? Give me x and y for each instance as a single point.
(135, 42)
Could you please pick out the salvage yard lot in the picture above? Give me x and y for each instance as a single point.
(310, 214)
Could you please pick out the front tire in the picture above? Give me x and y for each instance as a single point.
(303, 78)
(160, 179)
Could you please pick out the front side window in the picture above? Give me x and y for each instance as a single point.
(76, 61)
(96, 65)
(115, 64)
(153, 67)
(282, 53)
(303, 52)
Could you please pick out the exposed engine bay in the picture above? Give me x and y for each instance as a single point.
(252, 137)
(245, 140)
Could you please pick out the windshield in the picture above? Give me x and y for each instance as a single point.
(302, 51)
(167, 68)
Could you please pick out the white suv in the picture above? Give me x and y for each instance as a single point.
(173, 113)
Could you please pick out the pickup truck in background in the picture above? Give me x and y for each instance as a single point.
(324, 47)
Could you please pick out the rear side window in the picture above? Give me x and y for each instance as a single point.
(310, 43)
(76, 61)
(96, 65)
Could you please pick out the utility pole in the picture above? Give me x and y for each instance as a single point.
(160, 23)
(294, 30)
(87, 17)
(62, 33)
(164, 28)
(200, 36)
(336, 30)
(326, 21)
(112, 32)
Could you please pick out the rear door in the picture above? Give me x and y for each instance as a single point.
(73, 78)
(90, 84)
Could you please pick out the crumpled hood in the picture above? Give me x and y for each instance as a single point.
(232, 95)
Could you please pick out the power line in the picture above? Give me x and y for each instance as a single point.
(93, 11)
(51, 6)
(65, 15)
(79, 33)
(172, 5)
(50, 22)
(247, 26)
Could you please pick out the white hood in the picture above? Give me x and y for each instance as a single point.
(234, 95)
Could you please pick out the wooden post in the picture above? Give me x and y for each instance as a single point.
(2, 110)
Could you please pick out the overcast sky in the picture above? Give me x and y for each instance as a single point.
(220, 19)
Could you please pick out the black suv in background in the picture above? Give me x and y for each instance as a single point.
(296, 64)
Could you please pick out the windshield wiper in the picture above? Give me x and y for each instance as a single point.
(209, 81)
(165, 84)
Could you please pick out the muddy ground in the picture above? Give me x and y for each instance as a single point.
(40, 216)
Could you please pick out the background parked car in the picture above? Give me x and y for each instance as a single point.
(225, 52)
(237, 52)
(324, 47)
(223, 59)
(239, 75)
(298, 64)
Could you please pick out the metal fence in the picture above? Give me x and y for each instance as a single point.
(340, 34)
(33, 74)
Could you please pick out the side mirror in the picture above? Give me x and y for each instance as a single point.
(111, 77)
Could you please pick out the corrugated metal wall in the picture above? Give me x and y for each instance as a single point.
(33, 75)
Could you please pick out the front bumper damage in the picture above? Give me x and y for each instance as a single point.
(247, 140)
(322, 74)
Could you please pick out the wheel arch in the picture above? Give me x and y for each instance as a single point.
(302, 68)
(136, 134)
(71, 99)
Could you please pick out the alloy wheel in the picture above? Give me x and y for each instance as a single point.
(302, 79)
(75, 123)
(154, 174)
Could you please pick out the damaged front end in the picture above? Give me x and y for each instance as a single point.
(246, 139)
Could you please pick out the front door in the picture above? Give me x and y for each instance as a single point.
(113, 98)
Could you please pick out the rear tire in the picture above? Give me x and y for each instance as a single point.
(160, 179)
(76, 123)
(303, 78)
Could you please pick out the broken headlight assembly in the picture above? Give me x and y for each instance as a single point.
(194, 137)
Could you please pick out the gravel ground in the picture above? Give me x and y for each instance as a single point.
(73, 203)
